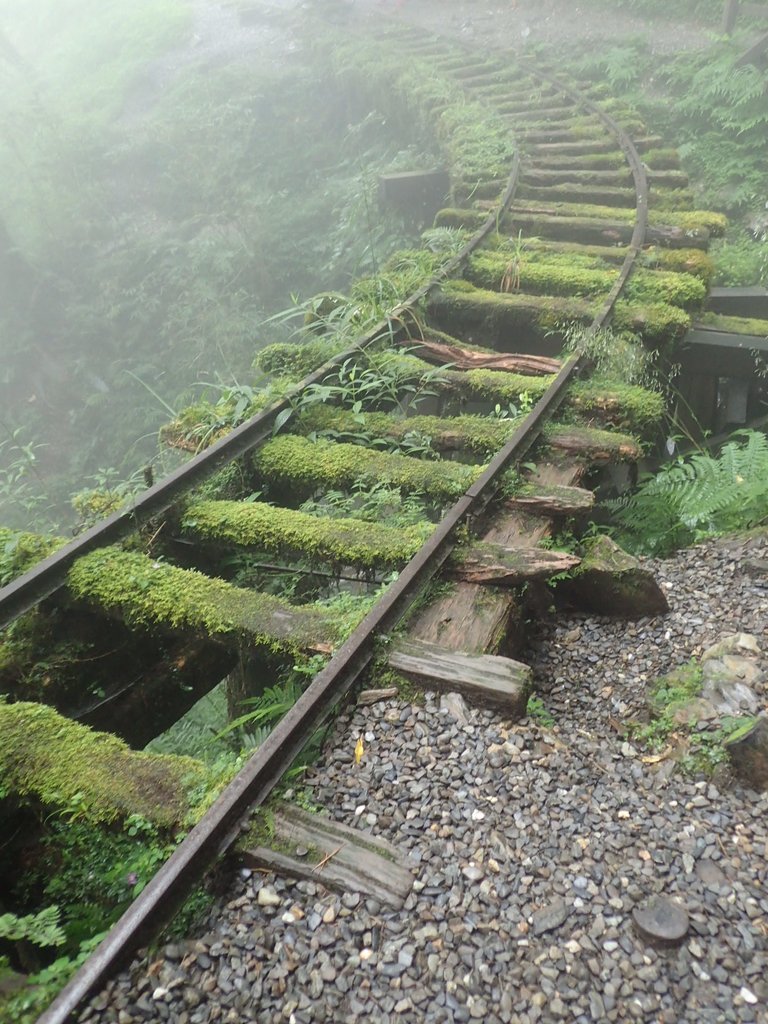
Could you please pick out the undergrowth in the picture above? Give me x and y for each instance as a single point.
(697, 496)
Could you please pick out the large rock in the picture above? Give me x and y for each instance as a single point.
(748, 750)
(731, 673)
(610, 581)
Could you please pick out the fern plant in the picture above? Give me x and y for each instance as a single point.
(698, 496)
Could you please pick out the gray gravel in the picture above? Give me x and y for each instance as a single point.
(531, 850)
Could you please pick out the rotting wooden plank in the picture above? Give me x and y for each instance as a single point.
(594, 445)
(560, 501)
(504, 566)
(338, 857)
(485, 620)
(470, 618)
(484, 679)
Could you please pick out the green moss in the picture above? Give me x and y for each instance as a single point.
(285, 531)
(20, 551)
(735, 324)
(498, 385)
(151, 594)
(593, 441)
(690, 261)
(478, 434)
(472, 307)
(526, 273)
(687, 220)
(67, 767)
(294, 362)
(303, 467)
(626, 407)
(656, 322)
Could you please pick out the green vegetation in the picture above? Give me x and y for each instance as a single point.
(697, 496)
(85, 775)
(285, 532)
(672, 704)
(300, 466)
(151, 594)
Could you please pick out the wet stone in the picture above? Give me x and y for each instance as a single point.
(661, 921)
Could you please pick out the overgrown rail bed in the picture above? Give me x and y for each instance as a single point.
(507, 365)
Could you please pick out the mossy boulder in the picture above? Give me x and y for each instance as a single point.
(612, 582)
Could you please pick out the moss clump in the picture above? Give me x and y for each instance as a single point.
(686, 220)
(151, 594)
(303, 467)
(478, 434)
(656, 322)
(695, 262)
(625, 407)
(294, 362)
(51, 760)
(285, 531)
(474, 307)
(735, 324)
(498, 385)
(527, 273)
(20, 551)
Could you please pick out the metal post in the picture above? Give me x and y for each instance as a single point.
(730, 12)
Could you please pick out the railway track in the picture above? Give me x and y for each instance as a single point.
(592, 227)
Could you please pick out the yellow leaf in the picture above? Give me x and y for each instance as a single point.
(359, 750)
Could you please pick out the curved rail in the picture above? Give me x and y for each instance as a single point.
(217, 829)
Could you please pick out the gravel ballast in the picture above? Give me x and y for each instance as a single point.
(540, 855)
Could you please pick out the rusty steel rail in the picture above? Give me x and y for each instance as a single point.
(216, 831)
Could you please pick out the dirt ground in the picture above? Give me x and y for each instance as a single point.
(519, 24)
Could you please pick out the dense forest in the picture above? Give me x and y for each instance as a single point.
(171, 180)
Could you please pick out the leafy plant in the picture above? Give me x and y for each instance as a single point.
(41, 929)
(697, 496)
(537, 710)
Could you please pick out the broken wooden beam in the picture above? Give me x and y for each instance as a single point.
(609, 581)
(507, 566)
(344, 859)
(484, 679)
(474, 359)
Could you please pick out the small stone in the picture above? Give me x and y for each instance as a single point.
(661, 921)
(267, 897)
(550, 917)
(454, 705)
(329, 916)
(747, 996)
